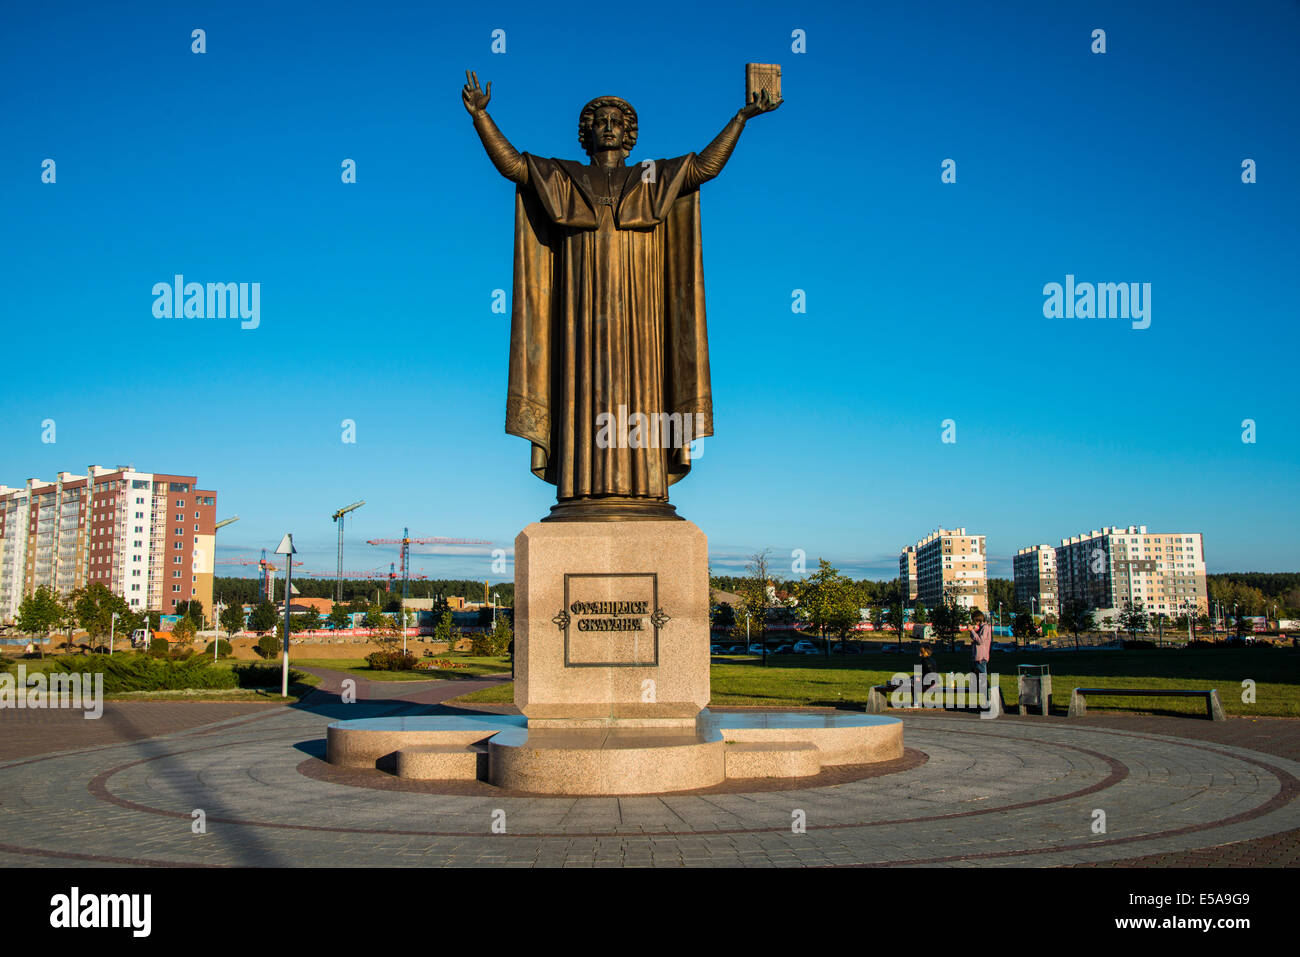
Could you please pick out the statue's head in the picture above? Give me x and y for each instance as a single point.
(607, 123)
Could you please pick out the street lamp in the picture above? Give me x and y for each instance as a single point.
(288, 551)
(112, 625)
(217, 609)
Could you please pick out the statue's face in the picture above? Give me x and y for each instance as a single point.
(607, 129)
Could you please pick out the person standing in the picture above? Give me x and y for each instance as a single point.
(981, 641)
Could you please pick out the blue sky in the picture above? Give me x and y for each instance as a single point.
(924, 298)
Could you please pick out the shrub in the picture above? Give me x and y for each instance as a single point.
(390, 661)
(159, 648)
(258, 675)
(439, 664)
(137, 672)
(268, 646)
(223, 649)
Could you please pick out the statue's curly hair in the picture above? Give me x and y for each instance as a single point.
(588, 116)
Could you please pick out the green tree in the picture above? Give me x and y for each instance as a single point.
(724, 616)
(232, 619)
(919, 613)
(1023, 626)
(183, 630)
(897, 618)
(1077, 617)
(263, 618)
(753, 590)
(94, 607)
(39, 613)
(374, 617)
(339, 617)
(193, 610)
(443, 630)
(1133, 617)
(311, 619)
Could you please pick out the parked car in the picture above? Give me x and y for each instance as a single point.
(805, 648)
(715, 649)
(755, 649)
(736, 650)
(782, 650)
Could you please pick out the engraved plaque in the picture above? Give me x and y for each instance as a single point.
(611, 620)
(762, 76)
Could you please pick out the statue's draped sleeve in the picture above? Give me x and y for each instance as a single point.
(558, 198)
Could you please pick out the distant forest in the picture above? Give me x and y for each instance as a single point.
(246, 590)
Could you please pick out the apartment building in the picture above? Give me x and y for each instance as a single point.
(907, 573)
(147, 536)
(951, 562)
(1106, 567)
(1034, 571)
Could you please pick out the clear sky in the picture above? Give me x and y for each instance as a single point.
(924, 299)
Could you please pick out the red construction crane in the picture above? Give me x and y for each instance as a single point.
(406, 541)
(265, 569)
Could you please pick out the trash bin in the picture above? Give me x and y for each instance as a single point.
(1034, 688)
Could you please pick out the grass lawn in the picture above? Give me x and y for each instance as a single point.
(470, 667)
(842, 681)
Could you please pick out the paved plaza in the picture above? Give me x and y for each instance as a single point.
(1013, 791)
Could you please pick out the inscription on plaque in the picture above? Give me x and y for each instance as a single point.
(611, 620)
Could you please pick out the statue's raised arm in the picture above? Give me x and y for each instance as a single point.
(709, 161)
(503, 156)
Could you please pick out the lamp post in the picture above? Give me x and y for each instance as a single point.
(216, 614)
(288, 551)
(112, 625)
(217, 608)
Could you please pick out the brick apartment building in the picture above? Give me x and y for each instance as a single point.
(1106, 567)
(147, 536)
(947, 562)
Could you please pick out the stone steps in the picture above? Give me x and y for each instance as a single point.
(772, 759)
(442, 762)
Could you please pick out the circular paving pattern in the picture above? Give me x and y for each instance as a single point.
(1016, 792)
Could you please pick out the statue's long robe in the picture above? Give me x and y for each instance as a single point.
(608, 312)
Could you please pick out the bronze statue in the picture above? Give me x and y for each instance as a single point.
(609, 356)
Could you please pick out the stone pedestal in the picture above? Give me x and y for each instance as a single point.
(611, 624)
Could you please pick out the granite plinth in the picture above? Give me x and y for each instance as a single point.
(611, 624)
(506, 750)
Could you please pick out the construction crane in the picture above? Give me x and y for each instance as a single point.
(266, 573)
(338, 519)
(406, 541)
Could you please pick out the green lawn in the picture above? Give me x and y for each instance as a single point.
(470, 667)
(842, 681)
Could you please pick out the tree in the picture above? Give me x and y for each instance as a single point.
(948, 619)
(919, 614)
(724, 617)
(94, 607)
(443, 630)
(374, 617)
(1133, 617)
(38, 613)
(183, 631)
(193, 610)
(878, 618)
(1022, 626)
(753, 590)
(263, 618)
(311, 619)
(232, 619)
(1076, 617)
(339, 616)
(897, 618)
(828, 599)
(1244, 626)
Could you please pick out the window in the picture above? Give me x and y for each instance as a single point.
(196, 515)
(176, 560)
(176, 574)
(176, 588)
(180, 516)
(176, 545)
(180, 503)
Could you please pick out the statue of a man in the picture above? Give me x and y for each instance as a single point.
(609, 360)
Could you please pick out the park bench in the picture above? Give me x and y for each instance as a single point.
(878, 697)
(1213, 708)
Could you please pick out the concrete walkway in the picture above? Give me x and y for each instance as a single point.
(1015, 791)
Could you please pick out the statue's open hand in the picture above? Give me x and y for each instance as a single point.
(475, 100)
(760, 101)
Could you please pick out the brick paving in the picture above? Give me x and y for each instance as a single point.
(1017, 791)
